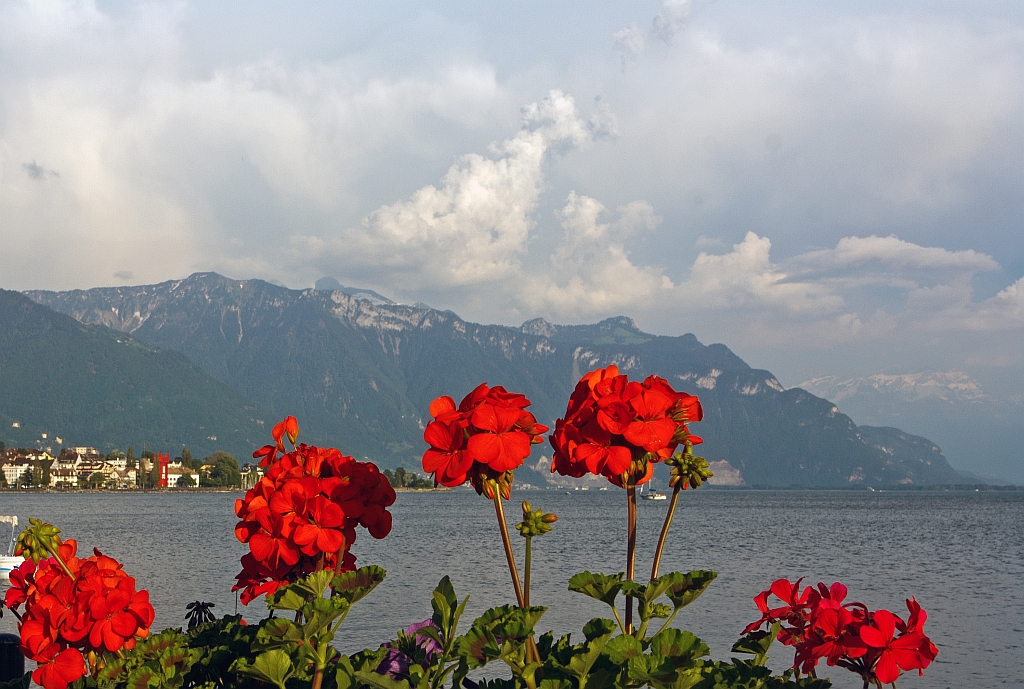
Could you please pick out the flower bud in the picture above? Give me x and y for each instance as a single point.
(38, 540)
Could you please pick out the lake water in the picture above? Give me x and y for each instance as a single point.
(961, 554)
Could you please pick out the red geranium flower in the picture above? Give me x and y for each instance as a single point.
(301, 516)
(483, 439)
(73, 606)
(61, 669)
(448, 459)
(895, 652)
(615, 428)
(818, 624)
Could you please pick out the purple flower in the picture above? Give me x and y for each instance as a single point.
(410, 648)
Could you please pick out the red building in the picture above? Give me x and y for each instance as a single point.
(162, 460)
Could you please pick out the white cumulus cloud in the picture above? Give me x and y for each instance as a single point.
(747, 277)
(473, 227)
(894, 252)
(591, 271)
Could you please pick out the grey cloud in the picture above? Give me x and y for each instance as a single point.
(629, 43)
(124, 275)
(37, 171)
(671, 19)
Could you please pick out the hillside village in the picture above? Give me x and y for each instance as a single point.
(87, 468)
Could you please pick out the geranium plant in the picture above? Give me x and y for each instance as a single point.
(87, 626)
(483, 441)
(620, 429)
(76, 609)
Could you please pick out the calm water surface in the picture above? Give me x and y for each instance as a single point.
(961, 554)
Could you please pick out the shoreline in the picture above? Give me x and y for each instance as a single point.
(951, 488)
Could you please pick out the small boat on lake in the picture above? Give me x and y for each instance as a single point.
(7, 559)
(654, 495)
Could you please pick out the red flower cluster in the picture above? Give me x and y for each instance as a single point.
(301, 516)
(94, 609)
(610, 422)
(817, 624)
(489, 434)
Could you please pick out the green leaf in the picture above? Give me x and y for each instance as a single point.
(757, 644)
(622, 648)
(430, 632)
(345, 674)
(110, 671)
(598, 632)
(156, 644)
(175, 662)
(23, 682)
(379, 681)
(320, 613)
(677, 645)
(660, 586)
(286, 598)
(685, 679)
(555, 684)
(497, 633)
(598, 626)
(143, 678)
(277, 632)
(443, 601)
(602, 587)
(686, 588)
(354, 586)
(557, 652)
(648, 669)
(294, 596)
(273, 666)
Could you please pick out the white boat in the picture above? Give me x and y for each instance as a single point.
(646, 493)
(7, 559)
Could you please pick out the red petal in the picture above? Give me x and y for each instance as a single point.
(442, 405)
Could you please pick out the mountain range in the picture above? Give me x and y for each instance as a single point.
(360, 373)
(974, 428)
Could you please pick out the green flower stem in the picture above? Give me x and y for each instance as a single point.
(664, 531)
(526, 570)
(618, 619)
(503, 527)
(532, 654)
(630, 547)
(668, 621)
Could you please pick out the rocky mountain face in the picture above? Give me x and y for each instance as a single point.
(62, 382)
(974, 429)
(360, 374)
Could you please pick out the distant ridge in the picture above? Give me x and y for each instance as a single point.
(332, 285)
(973, 427)
(360, 375)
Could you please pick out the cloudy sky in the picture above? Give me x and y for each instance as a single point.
(826, 187)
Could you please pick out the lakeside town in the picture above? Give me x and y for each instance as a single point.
(86, 468)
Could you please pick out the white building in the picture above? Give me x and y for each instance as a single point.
(175, 473)
(63, 477)
(15, 470)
